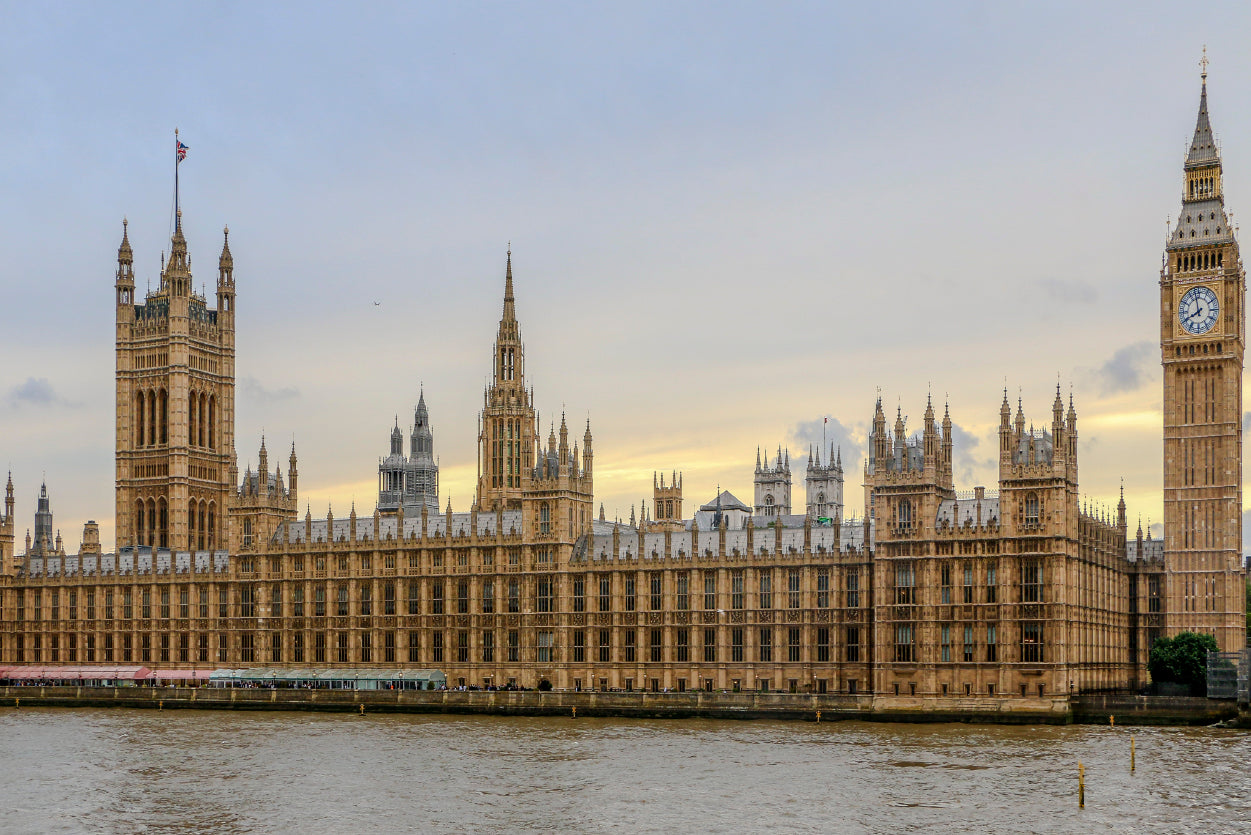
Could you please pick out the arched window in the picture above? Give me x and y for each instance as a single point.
(191, 528)
(905, 513)
(212, 426)
(204, 430)
(140, 522)
(769, 509)
(151, 417)
(211, 526)
(545, 518)
(164, 401)
(151, 540)
(163, 525)
(139, 418)
(193, 417)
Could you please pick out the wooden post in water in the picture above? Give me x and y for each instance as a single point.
(1131, 754)
(1081, 785)
(818, 717)
(1112, 720)
(362, 708)
(575, 711)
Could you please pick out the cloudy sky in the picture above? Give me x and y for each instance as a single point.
(728, 222)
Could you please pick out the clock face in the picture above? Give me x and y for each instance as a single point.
(1198, 310)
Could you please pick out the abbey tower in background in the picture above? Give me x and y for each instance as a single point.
(1202, 339)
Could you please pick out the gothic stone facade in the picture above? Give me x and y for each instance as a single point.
(1014, 593)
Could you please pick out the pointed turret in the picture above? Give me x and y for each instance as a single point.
(292, 473)
(587, 457)
(564, 442)
(262, 467)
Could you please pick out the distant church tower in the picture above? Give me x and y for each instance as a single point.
(507, 432)
(824, 485)
(667, 500)
(773, 485)
(175, 404)
(414, 481)
(43, 546)
(1202, 336)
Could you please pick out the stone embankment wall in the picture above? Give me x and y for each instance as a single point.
(691, 704)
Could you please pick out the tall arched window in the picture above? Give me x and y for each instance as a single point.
(768, 505)
(140, 523)
(193, 416)
(139, 419)
(211, 526)
(905, 513)
(212, 425)
(151, 417)
(151, 540)
(164, 401)
(163, 526)
(545, 518)
(204, 431)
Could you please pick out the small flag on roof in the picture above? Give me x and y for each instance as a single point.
(182, 150)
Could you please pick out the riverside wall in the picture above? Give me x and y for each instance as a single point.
(691, 704)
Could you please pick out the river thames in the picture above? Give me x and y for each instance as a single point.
(156, 772)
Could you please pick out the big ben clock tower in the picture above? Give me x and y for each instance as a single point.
(1202, 337)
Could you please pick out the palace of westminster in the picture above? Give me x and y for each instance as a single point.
(933, 594)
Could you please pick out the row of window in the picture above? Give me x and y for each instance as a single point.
(335, 647)
(340, 603)
(1031, 644)
(1030, 583)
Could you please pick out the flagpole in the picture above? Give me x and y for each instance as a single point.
(176, 223)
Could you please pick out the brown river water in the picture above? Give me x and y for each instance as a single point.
(201, 771)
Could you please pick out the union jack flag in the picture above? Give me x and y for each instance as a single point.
(182, 151)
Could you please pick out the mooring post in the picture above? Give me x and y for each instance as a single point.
(1081, 785)
(1132, 764)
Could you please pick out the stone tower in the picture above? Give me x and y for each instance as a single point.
(507, 431)
(1202, 335)
(823, 485)
(262, 503)
(411, 482)
(421, 473)
(667, 500)
(773, 485)
(175, 404)
(43, 525)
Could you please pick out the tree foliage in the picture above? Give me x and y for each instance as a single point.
(1182, 659)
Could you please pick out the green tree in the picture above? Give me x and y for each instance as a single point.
(1182, 660)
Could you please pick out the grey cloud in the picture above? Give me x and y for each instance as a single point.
(1246, 421)
(253, 390)
(965, 457)
(35, 392)
(1246, 531)
(808, 433)
(1067, 290)
(1126, 370)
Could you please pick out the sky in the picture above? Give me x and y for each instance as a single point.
(729, 221)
